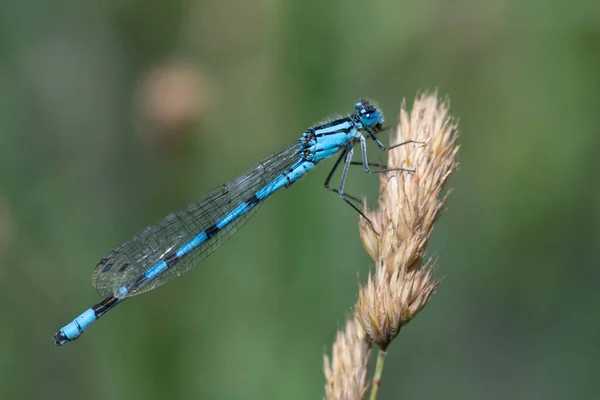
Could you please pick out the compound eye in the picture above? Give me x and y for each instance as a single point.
(369, 119)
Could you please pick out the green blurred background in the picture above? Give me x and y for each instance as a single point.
(115, 113)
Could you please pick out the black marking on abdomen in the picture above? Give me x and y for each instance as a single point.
(131, 287)
(106, 267)
(290, 183)
(123, 267)
(252, 201)
(104, 305)
(172, 259)
(212, 231)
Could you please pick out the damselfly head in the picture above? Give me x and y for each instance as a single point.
(370, 116)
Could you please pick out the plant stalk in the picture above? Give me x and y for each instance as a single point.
(378, 371)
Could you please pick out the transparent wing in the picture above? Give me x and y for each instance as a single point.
(133, 258)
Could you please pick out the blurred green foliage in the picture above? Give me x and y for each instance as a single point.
(87, 160)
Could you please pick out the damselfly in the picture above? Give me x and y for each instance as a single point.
(183, 239)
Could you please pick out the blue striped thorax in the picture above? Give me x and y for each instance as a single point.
(324, 140)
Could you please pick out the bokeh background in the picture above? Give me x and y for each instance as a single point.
(115, 113)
